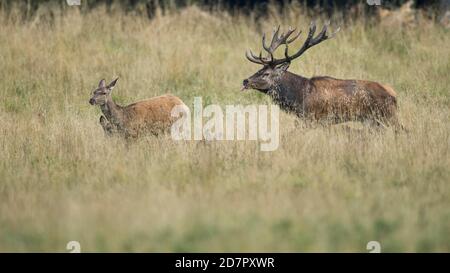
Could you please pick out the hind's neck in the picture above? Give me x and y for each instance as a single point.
(112, 111)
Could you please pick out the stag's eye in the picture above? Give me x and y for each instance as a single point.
(266, 74)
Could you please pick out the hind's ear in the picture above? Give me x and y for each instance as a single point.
(112, 84)
(103, 121)
(102, 83)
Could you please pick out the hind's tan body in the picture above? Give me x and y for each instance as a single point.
(147, 116)
(150, 116)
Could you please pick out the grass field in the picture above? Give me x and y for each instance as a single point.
(324, 189)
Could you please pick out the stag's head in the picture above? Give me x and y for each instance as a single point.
(103, 91)
(269, 75)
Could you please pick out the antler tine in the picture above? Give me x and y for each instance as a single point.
(264, 42)
(256, 59)
(264, 61)
(321, 36)
(275, 38)
(295, 37)
(270, 48)
(252, 58)
(286, 49)
(312, 30)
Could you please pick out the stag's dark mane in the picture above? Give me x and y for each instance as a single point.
(289, 91)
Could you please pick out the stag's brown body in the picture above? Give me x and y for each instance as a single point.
(327, 98)
(319, 98)
(150, 116)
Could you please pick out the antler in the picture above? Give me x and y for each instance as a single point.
(279, 40)
(283, 39)
(276, 41)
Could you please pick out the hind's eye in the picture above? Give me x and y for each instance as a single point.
(265, 74)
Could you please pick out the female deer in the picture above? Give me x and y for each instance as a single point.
(146, 116)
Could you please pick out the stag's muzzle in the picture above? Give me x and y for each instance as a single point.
(244, 85)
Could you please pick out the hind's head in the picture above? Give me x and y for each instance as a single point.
(102, 93)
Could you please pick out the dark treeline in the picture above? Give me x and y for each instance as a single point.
(29, 7)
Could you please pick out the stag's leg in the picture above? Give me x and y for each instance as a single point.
(383, 122)
(396, 124)
(106, 125)
(392, 118)
(386, 116)
(304, 122)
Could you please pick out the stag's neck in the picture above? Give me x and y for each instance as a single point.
(292, 82)
(112, 111)
(290, 90)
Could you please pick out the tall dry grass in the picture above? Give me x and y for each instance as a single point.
(324, 189)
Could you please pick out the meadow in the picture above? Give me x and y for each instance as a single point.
(324, 189)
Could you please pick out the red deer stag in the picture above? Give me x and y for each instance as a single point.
(319, 98)
(146, 116)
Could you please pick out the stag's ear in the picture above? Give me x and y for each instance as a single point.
(112, 84)
(102, 83)
(283, 67)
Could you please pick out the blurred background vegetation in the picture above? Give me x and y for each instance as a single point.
(29, 8)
